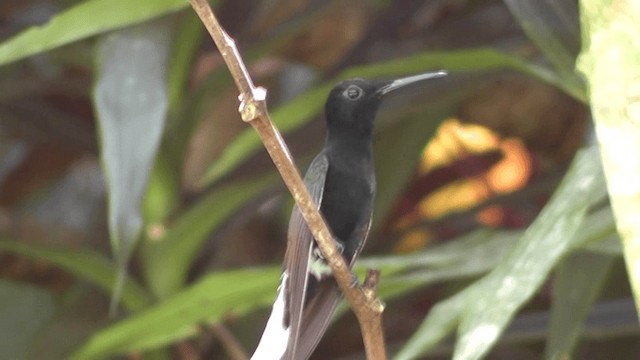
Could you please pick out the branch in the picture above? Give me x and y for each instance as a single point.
(253, 109)
(229, 343)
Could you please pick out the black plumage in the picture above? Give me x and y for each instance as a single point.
(341, 180)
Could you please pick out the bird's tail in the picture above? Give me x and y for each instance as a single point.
(317, 317)
(275, 337)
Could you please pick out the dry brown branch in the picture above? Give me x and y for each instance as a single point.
(229, 342)
(253, 109)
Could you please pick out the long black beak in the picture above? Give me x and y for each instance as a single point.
(398, 83)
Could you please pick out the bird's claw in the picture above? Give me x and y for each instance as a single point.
(354, 281)
(340, 247)
(318, 254)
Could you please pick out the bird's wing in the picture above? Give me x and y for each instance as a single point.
(283, 327)
(299, 247)
(317, 317)
(319, 309)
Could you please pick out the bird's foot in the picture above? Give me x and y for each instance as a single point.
(354, 281)
(318, 254)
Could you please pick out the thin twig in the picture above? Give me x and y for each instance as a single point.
(253, 109)
(229, 342)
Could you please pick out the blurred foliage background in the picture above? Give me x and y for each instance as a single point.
(127, 174)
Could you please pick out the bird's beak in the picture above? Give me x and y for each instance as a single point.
(398, 83)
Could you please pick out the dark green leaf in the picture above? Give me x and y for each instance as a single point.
(88, 18)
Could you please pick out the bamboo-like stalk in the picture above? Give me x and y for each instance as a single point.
(609, 60)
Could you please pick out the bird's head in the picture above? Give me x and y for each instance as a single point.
(352, 104)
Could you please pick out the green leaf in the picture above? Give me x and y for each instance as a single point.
(491, 303)
(24, 310)
(465, 248)
(163, 192)
(468, 256)
(554, 28)
(610, 246)
(166, 260)
(442, 320)
(85, 264)
(215, 296)
(473, 258)
(83, 20)
(507, 288)
(162, 195)
(131, 103)
(302, 109)
(577, 284)
(188, 38)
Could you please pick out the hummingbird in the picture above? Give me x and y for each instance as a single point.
(341, 181)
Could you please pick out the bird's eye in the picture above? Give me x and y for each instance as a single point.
(352, 93)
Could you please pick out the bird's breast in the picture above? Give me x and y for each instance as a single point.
(347, 202)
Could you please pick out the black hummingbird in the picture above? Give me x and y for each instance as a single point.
(342, 182)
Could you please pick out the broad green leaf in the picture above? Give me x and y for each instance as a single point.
(131, 103)
(474, 254)
(599, 234)
(610, 246)
(302, 109)
(577, 284)
(471, 260)
(24, 310)
(507, 288)
(181, 316)
(469, 256)
(601, 226)
(514, 281)
(84, 264)
(609, 60)
(491, 303)
(166, 260)
(88, 18)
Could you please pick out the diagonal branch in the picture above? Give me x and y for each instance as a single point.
(253, 109)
